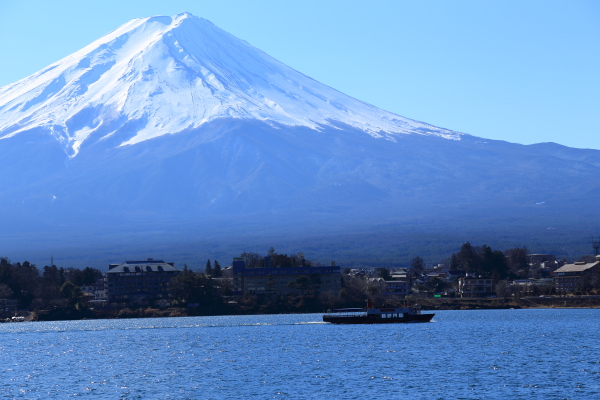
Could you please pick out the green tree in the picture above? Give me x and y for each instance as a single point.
(217, 273)
(71, 292)
(517, 260)
(384, 273)
(208, 269)
(301, 283)
(253, 260)
(61, 276)
(5, 293)
(189, 287)
(418, 265)
(82, 277)
(354, 290)
(24, 281)
(50, 276)
(373, 290)
(436, 285)
(315, 281)
(454, 263)
(301, 260)
(183, 286)
(498, 266)
(467, 258)
(89, 276)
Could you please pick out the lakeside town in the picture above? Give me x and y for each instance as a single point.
(473, 277)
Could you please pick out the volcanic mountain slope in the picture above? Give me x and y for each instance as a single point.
(164, 75)
(171, 119)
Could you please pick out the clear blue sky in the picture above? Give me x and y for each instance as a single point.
(524, 71)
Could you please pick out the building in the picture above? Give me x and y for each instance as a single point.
(454, 275)
(529, 287)
(8, 305)
(441, 268)
(139, 283)
(574, 277)
(95, 294)
(358, 272)
(548, 267)
(391, 288)
(471, 286)
(538, 259)
(439, 275)
(402, 275)
(284, 281)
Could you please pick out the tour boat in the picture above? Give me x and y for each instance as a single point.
(370, 315)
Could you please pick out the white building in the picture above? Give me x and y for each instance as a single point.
(471, 286)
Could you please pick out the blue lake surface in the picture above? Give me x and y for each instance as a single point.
(495, 354)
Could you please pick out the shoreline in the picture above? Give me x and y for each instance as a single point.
(442, 304)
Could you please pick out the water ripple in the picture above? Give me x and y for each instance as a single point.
(516, 354)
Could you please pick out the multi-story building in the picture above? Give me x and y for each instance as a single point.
(284, 281)
(472, 286)
(528, 287)
(139, 282)
(573, 277)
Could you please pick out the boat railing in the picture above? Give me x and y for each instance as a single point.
(347, 312)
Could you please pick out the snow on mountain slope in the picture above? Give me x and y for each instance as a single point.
(164, 75)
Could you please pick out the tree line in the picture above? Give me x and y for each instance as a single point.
(275, 260)
(478, 260)
(52, 286)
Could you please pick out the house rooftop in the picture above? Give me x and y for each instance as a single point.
(143, 266)
(576, 267)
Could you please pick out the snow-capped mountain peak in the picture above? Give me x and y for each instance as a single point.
(164, 75)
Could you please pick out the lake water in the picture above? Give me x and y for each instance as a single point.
(496, 354)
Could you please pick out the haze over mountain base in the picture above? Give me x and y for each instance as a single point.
(353, 246)
(252, 186)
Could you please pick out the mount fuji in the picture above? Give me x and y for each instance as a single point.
(166, 75)
(171, 122)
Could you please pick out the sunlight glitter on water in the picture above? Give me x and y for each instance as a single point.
(497, 354)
